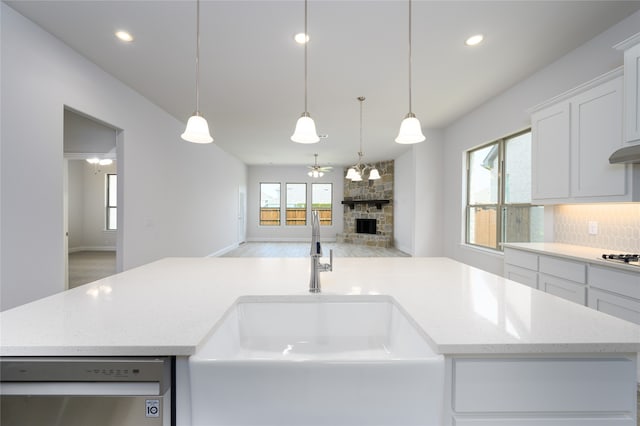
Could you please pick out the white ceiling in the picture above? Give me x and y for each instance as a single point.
(251, 89)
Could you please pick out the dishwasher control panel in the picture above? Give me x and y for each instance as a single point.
(85, 369)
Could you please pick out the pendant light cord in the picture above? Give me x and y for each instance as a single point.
(197, 57)
(410, 102)
(360, 153)
(306, 35)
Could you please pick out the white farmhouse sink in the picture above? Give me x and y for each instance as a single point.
(316, 360)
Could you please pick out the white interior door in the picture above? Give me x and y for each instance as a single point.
(65, 218)
(242, 210)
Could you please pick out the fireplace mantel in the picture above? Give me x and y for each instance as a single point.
(378, 203)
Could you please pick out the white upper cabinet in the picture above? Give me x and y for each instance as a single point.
(550, 152)
(596, 132)
(631, 47)
(573, 136)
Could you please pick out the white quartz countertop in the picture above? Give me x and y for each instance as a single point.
(170, 306)
(584, 254)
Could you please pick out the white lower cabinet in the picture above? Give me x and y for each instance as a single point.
(560, 277)
(521, 275)
(616, 305)
(609, 290)
(521, 266)
(546, 391)
(615, 292)
(569, 290)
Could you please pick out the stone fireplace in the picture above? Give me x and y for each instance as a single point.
(368, 209)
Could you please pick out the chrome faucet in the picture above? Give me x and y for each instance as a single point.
(316, 254)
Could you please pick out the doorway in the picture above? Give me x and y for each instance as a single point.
(90, 199)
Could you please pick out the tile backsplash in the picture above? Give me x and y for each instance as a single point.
(618, 226)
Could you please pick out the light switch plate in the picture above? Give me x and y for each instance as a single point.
(593, 227)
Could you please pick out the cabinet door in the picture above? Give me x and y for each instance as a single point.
(521, 275)
(568, 290)
(618, 306)
(550, 155)
(632, 95)
(596, 132)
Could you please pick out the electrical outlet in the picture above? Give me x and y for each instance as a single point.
(593, 227)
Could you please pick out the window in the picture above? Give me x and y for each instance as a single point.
(296, 204)
(321, 196)
(270, 204)
(499, 194)
(112, 201)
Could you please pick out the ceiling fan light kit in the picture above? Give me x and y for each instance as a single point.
(317, 171)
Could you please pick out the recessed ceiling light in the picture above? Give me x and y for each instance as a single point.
(301, 38)
(124, 36)
(474, 40)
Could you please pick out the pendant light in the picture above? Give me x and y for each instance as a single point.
(356, 172)
(305, 131)
(197, 130)
(410, 128)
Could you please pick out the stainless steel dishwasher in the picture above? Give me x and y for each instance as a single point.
(75, 391)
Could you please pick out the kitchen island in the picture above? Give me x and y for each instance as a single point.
(513, 354)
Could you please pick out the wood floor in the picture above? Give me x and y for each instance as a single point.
(302, 250)
(89, 266)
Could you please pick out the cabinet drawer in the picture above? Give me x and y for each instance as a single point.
(618, 306)
(624, 283)
(567, 269)
(522, 385)
(521, 258)
(568, 290)
(521, 275)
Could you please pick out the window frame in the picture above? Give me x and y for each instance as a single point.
(501, 205)
(108, 202)
(286, 202)
(331, 200)
(260, 220)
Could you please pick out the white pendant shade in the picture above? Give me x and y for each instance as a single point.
(351, 173)
(410, 130)
(197, 130)
(356, 178)
(373, 174)
(305, 131)
(315, 173)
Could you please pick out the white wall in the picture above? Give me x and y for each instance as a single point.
(291, 174)
(174, 195)
(404, 191)
(506, 114)
(418, 198)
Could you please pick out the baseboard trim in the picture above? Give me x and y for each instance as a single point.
(91, 248)
(289, 240)
(224, 250)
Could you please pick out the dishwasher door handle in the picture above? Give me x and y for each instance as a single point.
(80, 388)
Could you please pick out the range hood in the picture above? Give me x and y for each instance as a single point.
(629, 154)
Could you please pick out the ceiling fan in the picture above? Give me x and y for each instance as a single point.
(316, 170)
